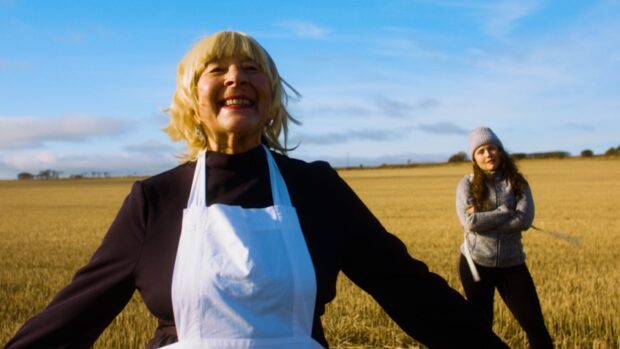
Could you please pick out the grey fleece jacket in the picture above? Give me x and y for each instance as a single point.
(494, 236)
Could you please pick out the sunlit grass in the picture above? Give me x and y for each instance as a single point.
(48, 229)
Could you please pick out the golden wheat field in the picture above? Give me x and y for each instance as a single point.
(48, 229)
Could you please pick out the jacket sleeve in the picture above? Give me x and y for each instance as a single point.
(523, 215)
(419, 301)
(97, 293)
(478, 222)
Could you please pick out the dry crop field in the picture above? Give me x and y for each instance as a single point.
(50, 228)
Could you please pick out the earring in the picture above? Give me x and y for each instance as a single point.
(199, 133)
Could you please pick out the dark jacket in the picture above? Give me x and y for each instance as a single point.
(139, 250)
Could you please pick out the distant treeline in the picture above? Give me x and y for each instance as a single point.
(458, 157)
(461, 156)
(543, 155)
(53, 174)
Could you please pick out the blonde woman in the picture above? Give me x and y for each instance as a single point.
(240, 246)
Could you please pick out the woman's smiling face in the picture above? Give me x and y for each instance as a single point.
(234, 99)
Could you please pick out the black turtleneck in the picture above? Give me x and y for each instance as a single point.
(238, 179)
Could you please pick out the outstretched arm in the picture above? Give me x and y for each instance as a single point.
(98, 292)
(419, 301)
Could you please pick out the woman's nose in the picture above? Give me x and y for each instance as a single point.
(235, 76)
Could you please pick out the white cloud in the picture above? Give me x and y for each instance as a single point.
(443, 128)
(29, 131)
(558, 77)
(410, 44)
(555, 90)
(304, 29)
(498, 17)
(393, 108)
(153, 147)
(374, 106)
(375, 135)
(330, 110)
(502, 16)
(116, 163)
(578, 126)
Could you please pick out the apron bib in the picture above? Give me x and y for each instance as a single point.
(243, 278)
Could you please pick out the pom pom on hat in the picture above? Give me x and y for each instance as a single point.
(481, 136)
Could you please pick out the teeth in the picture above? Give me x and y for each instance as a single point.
(237, 101)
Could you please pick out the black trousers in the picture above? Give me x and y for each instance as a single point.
(516, 287)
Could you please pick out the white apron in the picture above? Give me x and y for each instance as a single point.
(243, 278)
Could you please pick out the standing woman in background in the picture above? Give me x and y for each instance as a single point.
(495, 205)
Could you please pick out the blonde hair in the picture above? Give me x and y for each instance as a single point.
(183, 123)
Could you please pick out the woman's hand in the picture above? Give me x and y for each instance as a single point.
(471, 209)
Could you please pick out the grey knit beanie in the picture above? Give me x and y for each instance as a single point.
(481, 136)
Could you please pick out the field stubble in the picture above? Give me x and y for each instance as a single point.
(48, 229)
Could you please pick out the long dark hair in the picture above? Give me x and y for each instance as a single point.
(478, 188)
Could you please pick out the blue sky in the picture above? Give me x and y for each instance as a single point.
(83, 83)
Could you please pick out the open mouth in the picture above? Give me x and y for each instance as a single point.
(237, 102)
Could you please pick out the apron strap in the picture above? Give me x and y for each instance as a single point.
(198, 194)
(278, 186)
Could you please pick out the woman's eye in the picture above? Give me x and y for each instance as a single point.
(251, 67)
(212, 68)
